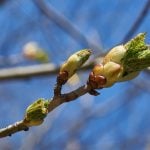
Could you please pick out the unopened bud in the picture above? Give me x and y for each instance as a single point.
(115, 54)
(73, 63)
(36, 112)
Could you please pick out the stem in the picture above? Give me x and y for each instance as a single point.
(16, 127)
(55, 102)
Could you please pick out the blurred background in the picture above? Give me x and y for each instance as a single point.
(36, 37)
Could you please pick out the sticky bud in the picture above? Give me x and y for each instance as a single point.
(112, 71)
(115, 54)
(36, 113)
(73, 63)
(105, 75)
(98, 69)
(96, 78)
(96, 81)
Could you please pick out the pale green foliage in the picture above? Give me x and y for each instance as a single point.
(137, 56)
(36, 112)
(75, 61)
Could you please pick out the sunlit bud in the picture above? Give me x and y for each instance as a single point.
(96, 78)
(137, 56)
(73, 63)
(98, 69)
(112, 72)
(122, 63)
(32, 51)
(115, 54)
(36, 112)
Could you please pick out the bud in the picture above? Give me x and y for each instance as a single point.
(105, 75)
(137, 56)
(115, 54)
(32, 51)
(122, 63)
(73, 63)
(112, 72)
(36, 112)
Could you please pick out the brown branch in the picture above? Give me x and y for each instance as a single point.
(31, 71)
(24, 72)
(16, 127)
(57, 90)
(55, 102)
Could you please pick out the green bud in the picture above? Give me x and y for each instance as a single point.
(124, 62)
(41, 56)
(115, 54)
(74, 62)
(36, 112)
(137, 56)
(32, 51)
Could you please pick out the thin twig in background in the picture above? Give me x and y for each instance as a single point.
(137, 22)
(25, 72)
(31, 71)
(65, 24)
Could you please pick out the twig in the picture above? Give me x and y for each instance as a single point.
(38, 110)
(31, 71)
(27, 71)
(58, 86)
(57, 90)
(55, 102)
(16, 127)
(24, 72)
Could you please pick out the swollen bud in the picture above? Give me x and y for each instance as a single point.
(36, 112)
(137, 56)
(105, 75)
(122, 63)
(96, 78)
(115, 54)
(73, 63)
(32, 51)
(112, 72)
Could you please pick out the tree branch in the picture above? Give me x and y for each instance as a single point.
(33, 70)
(55, 102)
(16, 127)
(102, 76)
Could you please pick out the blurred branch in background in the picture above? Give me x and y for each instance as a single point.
(65, 24)
(37, 70)
(137, 23)
(23, 72)
(27, 71)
